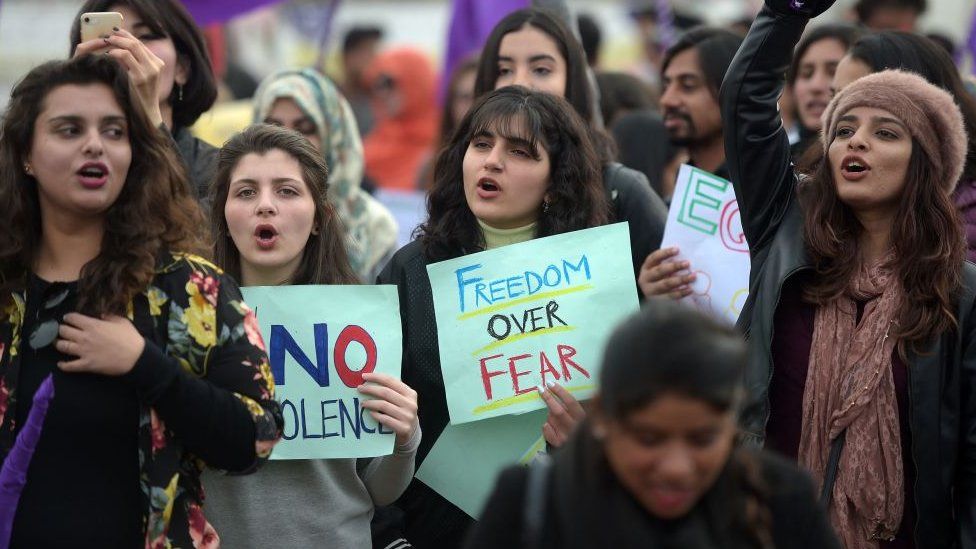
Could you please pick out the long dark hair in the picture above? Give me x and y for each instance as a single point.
(324, 260)
(928, 242)
(669, 348)
(154, 212)
(576, 196)
(169, 18)
(578, 91)
(915, 53)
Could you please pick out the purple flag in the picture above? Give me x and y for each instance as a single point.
(471, 23)
(208, 12)
(13, 474)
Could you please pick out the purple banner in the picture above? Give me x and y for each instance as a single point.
(471, 23)
(208, 12)
(972, 42)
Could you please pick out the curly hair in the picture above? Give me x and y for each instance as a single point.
(576, 196)
(928, 241)
(324, 259)
(155, 212)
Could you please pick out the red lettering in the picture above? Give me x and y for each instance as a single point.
(566, 354)
(353, 378)
(486, 375)
(546, 367)
(516, 375)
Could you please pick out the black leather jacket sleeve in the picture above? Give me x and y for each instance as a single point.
(965, 482)
(757, 148)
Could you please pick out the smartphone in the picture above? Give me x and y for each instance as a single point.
(99, 24)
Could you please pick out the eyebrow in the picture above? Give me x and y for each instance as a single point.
(74, 118)
(533, 59)
(517, 141)
(875, 119)
(275, 181)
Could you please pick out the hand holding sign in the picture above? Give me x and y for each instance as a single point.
(565, 413)
(662, 275)
(394, 404)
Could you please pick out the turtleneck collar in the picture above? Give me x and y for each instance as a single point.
(496, 238)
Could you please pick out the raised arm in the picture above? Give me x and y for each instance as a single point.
(757, 148)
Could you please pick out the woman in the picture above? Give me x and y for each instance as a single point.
(811, 76)
(166, 56)
(310, 104)
(860, 312)
(143, 339)
(531, 48)
(656, 465)
(911, 52)
(458, 100)
(402, 82)
(274, 178)
(496, 184)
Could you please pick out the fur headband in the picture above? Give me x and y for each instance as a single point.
(929, 113)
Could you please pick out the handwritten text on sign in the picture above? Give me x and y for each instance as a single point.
(513, 318)
(321, 340)
(704, 223)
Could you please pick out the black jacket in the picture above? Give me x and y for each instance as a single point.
(421, 515)
(633, 200)
(942, 381)
(200, 159)
(797, 520)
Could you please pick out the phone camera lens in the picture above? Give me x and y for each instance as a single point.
(87, 20)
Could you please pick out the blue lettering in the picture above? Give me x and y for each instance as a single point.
(462, 282)
(362, 420)
(305, 434)
(325, 432)
(496, 288)
(528, 282)
(479, 292)
(583, 264)
(512, 282)
(380, 429)
(552, 269)
(294, 414)
(345, 416)
(282, 342)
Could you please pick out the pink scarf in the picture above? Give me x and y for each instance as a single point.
(850, 386)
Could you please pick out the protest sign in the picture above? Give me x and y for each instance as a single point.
(704, 224)
(462, 467)
(515, 317)
(320, 341)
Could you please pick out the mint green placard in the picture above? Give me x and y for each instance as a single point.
(515, 317)
(320, 339)
(465, 461)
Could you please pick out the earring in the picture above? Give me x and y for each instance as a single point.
(545, 205)
(179, 92)
(27, 168)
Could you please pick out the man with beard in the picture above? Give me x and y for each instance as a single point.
(692, 73)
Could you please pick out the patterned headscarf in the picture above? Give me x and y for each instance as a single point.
(370, 228)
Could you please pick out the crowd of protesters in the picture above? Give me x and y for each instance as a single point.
(137, 401)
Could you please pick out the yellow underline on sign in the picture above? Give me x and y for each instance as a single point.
(519, 337)
(518, 399)
(526, 299)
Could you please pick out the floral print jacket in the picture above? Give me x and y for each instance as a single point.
(203, 353)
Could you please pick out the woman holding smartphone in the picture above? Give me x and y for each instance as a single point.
(166, 56)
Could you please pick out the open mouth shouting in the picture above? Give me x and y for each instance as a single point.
(266, 236)
(488, 188)
(853, 168)
(93, 175)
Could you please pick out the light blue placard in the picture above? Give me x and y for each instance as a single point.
(514, 317)
(319, 340)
